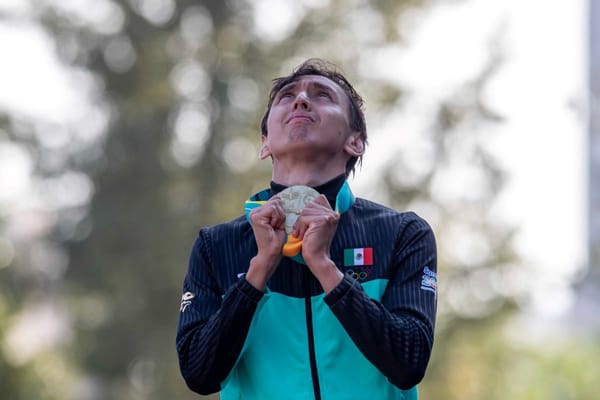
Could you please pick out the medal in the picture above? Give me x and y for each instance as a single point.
(298, 199)
(294, 199)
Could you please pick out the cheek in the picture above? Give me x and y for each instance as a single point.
(270, 126)
(275, 116)
(274, 128)
(341, 120)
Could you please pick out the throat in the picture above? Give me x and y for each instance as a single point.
(310, 168)
(309, 176)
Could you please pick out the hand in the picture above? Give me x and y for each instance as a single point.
(316, 226)
(269, 232)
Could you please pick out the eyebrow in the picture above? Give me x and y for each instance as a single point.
(326, 88)
(317, 85)
(287, 86)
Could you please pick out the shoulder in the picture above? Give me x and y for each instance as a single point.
(236, 223)
(370, 211)
(235, 226)
(368, 207)
(232, 237)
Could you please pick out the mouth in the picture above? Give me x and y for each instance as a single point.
(299, 117)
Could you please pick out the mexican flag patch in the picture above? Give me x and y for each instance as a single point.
(360, 256)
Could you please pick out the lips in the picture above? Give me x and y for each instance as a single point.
(299, 117)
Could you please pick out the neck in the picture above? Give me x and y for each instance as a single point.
(309, 174)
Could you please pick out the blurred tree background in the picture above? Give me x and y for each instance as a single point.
(91, 269)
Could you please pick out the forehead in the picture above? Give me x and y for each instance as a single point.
(316, 81)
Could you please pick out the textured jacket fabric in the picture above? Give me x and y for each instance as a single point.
(369, 338)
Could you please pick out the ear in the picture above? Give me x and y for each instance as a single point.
(265, 151)
(354, 145)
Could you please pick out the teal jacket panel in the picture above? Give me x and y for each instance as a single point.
(275, 364)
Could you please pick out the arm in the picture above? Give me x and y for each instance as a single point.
(212, 331)
(212, 328)
(396, 334)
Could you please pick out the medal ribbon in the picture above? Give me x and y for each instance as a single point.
(293, 245)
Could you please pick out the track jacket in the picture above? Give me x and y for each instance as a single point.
(369, 338)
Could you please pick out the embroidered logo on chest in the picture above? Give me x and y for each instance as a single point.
(358, 256)
(361, 261)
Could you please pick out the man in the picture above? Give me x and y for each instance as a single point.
(350, 315)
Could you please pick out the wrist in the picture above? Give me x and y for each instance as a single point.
(327, 273)
(260, 270)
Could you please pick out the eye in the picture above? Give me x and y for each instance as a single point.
(285, 95)
(324, 94)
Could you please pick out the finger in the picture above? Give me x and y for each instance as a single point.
(277, 215)
(306, 222)
(322, 200)
(318, 210)
(256, 215)
(317, 206)
(300, 228)
(303, 223)
(271, 212)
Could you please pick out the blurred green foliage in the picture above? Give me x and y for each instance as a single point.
(181, 87)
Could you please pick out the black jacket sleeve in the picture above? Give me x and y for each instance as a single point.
(396, 334)
(212, 326)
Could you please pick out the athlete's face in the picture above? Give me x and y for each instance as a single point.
(309, 114)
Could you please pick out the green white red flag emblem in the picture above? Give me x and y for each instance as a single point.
(358, 256)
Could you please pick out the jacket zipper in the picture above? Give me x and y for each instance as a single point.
(311, 338)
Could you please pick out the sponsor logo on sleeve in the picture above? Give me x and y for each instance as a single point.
(186, 300)
(429, 280)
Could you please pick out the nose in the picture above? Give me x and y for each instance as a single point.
(302, 102)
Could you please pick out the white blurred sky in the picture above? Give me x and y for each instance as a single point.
(540, 90)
